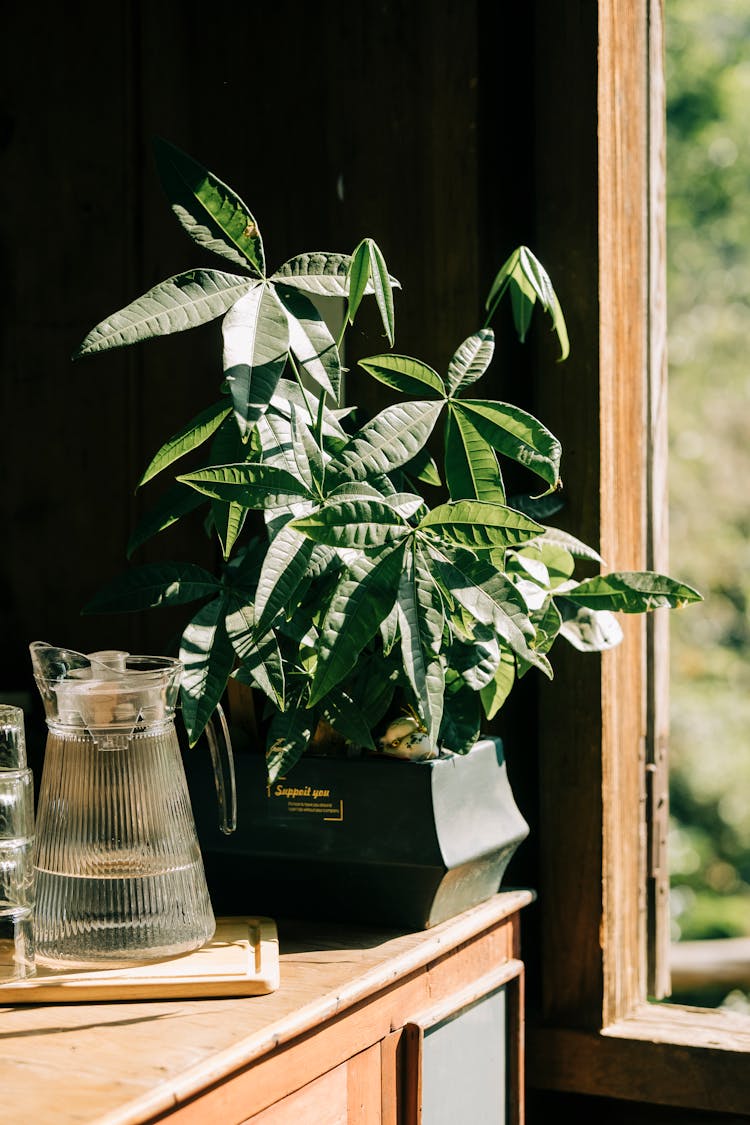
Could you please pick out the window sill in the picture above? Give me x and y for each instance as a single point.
(669, 1055)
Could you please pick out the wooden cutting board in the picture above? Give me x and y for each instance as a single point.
(242, 959)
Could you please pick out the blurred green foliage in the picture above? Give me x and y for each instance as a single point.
(708, 253)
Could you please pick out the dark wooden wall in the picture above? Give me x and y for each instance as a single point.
(331, 120)
(407, 120)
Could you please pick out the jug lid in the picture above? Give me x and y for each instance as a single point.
(107, 692)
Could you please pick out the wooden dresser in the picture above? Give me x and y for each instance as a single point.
(366, 1027)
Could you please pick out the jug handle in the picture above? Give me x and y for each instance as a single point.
(227, 811)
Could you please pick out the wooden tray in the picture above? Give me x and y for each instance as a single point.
(242, 959)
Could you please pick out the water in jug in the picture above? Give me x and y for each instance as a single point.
(118, 868)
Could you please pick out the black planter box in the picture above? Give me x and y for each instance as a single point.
(369, 840)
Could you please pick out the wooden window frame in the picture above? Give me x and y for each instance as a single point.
(603, 723)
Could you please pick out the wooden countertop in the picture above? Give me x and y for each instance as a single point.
(121, 1063)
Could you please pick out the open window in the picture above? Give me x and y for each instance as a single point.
(603, 723)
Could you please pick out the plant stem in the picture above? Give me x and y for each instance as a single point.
(319, 420)
(315, 417)
(492, 310)
(301, 385)
(344, 325)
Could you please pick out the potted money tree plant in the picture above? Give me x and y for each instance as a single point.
(374, 630)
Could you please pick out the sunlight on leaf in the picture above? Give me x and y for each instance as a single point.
(208, 210)
(181, 302)
(528, 282)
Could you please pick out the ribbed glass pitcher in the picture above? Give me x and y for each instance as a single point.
(118, 869)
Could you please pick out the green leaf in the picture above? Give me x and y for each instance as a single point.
(261, 663)
(365, 524)
(256, 345)
(381, 284)
(154, 584)
(569, 543)
(470, 360)
(558, 562)
(547, 623)
(403, 373)
(208, 658)
(307, 454)
(311, 341)
(422, 467)
(389, 440)
(289, 394)
(358, 274)
(421, 620)
(208, 210)
(588, 630)
(471, 468)
(188, 438)
(181, 302)
(476, 661)
(528, 281)
(461, 721)
(362, 599)
(321, 273)
(372, 686)
(229, 516)
(358, 490)
(541, 662)
(529, 566)
(516, 434)
(240, 577)
(274, 436)
(479, 525)
(288, 737)
(229, 520)
(253, 484)
(522, 299)
(347, 719)
(389, 631)
(283, 569)
(407, 504)
(488, 596)
(540, 508)
(495, 693)
(632, 592)
(535, 273)
(177, 501)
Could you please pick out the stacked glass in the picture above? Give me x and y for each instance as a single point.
(16, 847)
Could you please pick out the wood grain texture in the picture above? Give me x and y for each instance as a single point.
(242, 959)
(591, 67)
(392, 1076)
(517, 1057)
(657, 532)
(571, 830)
(128, 1062)
(63, 200)
(623, 289)
(342, 1036)
(676, 1057)
(363, 1084)
(324, 1101)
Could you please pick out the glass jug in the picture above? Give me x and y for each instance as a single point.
(118, 869)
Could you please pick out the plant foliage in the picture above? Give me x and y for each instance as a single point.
(360, 592)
